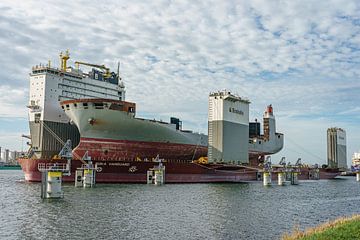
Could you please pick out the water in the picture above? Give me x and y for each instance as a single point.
(177, 211)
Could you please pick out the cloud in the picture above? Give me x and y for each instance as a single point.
(13, 102)
(302, 56)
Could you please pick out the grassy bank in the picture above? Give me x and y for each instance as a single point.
(342, 228)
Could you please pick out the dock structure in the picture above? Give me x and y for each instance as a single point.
(356, 169)
(267, 172)
(156, 175)
(51, 179)
(286, 172)
(281, 178)
(52, 173)
(85, 176)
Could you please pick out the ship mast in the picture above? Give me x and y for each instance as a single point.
(63, 59)
(118, 72)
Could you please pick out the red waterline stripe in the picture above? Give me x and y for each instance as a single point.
(104, 140)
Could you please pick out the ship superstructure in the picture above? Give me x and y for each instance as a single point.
(49, 125)
(270, 141)
(228, 128)
(229, 124)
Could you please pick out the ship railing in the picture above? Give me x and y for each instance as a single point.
(55, 167)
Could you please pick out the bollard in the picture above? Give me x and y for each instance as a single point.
(267, 178)
(51, 184)
(156, 175)
(149, 177)
(358, 176)
(281, 179)
(294, 178)
(78, 178)
(89, 178)
(159, 177)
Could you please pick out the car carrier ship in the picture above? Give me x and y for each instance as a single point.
(90, 110)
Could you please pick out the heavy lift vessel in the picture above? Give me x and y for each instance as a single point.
(123, 147)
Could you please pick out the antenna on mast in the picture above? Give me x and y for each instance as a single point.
(118, 71)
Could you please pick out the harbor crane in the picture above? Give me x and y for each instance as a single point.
(282, 162)
(107, 73)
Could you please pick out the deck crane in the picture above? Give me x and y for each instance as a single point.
(282, 162)
(298, 163)
(107, 73)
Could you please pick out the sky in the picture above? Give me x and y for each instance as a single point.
(303, 57)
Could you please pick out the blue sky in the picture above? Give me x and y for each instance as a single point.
(301, 56)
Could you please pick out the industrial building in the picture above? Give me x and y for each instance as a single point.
(336, 148)
(7, 156)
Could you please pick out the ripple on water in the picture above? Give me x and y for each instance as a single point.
(178, 211)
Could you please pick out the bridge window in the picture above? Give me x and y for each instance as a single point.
(37, 117)
(98, 105)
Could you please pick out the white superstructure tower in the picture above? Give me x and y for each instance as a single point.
(336, 148)
(228, 128)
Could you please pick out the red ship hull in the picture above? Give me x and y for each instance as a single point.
(176, 172)
(118, 150)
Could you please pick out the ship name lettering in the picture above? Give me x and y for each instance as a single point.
(237, 111)
(101, 163)
(119, 164)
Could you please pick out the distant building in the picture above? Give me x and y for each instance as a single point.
(7, 155)
(12, 156)
(336, 148)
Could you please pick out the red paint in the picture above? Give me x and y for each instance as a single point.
(120, 150)
(175, 172)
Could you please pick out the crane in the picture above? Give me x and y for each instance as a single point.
(63, 59)
(107, 70)
(282, 162)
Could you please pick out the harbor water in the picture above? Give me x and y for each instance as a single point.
(172, 211)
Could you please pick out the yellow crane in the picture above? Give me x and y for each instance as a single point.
(107, 73)
(63, 59)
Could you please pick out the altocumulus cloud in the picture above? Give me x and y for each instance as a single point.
(301, 56)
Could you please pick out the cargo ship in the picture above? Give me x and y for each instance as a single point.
(49, 126)
(90, 109)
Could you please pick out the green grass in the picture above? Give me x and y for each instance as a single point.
(343, 228)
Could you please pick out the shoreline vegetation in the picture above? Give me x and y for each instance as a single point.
(341, 228)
